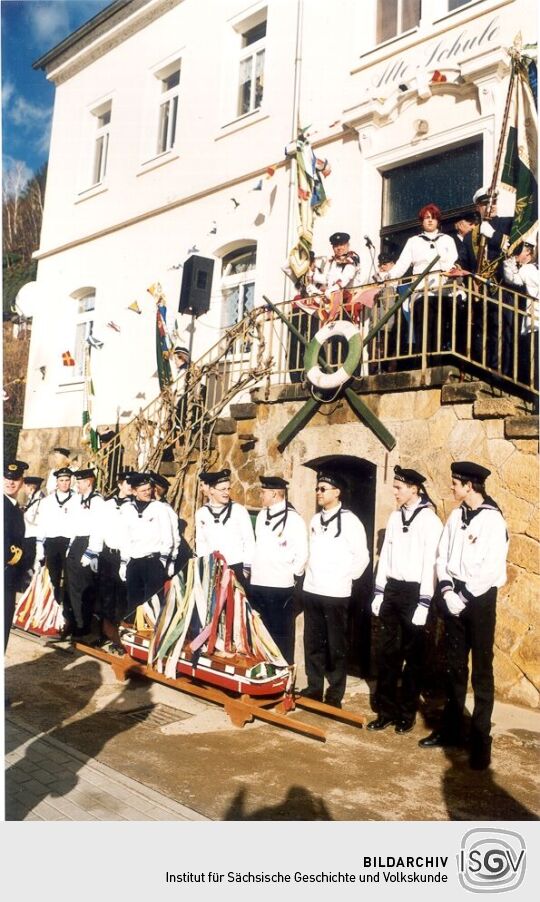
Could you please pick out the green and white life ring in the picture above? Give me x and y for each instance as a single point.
(336, 329)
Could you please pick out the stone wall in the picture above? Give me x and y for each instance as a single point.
(433, 425)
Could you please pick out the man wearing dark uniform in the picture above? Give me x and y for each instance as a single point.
(338, 554)
(14, 562)
(224, 525)
(471, 566)
(82, 561)
(54, 533)
(279, 560)
(404, 587)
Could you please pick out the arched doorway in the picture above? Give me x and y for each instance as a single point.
(360, 475)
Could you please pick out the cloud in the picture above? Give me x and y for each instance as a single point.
(49, 22)
(8, 89)
(30, 120)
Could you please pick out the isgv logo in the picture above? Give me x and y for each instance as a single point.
(491, 861)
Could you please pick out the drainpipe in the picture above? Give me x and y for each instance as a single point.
(295, 124)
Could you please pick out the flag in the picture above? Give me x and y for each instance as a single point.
(67, 359)
(89, 435)
(135, 307)
(113, 325)
(312, 200)
(520, 167)
(163, 345)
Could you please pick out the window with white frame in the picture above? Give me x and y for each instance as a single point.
(102, 116)
(394, 17)
(251, 69)
(85, 300)
(456, 4)
(169, 80)
(238, 284)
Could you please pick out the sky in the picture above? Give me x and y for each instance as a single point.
(29, 29)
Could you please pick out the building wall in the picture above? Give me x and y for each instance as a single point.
(137, 227)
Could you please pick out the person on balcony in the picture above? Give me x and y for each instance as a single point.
(418, 252)
(338, 554)
(404, 588)
(279, 561)
(224, 525)
(340, 273)
(494, 230)
(521, 272)
(471, 566)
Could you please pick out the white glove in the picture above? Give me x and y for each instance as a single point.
(376, 603)
(122, 571)
(247, 573)
(39, 559)
(420, 615)
(164, 559)
(454, 603)
(170, 569)
(90, 559)
(486, 229)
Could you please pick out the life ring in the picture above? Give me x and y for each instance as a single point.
(340, 329)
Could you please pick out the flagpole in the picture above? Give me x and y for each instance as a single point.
(482, 247)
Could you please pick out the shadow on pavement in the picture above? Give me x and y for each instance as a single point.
(298, 805)
(472, 795)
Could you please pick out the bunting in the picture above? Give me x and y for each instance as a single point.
(312, 200)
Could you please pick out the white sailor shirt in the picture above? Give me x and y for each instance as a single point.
(56, 518)
(86, 512)
(419, 251)
(525, 277)
(227, 530)
(108, 525)
(31, 515)
(409, 550)
(281, 547)
(338, 553)
(473, 549)
(146, 531)
(337, 275)
(175, 532)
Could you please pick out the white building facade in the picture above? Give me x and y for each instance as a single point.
(170, 123)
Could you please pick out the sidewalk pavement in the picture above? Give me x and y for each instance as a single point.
(46, 780)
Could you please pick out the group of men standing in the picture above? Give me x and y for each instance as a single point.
(106, 557)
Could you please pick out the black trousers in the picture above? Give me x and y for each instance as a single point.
(55, 558)
(401, 652)
(325, 644)
(473, 631)
(82, 587)
(145, 577)
(276, 607)
(112, 596)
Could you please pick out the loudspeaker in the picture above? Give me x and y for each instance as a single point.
(196, 285)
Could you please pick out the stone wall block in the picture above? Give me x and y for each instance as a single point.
(463, 411)
(506, 673)
(520, 476)
(399, 406)
(499, 451)
(462, 392)
(510, 629)
(468, 441)
(426, 404)
(521, 427)
(524, 552)
(494, 428)
(492, 408)
(532, 528)
(517, 512)
(440, 427)
(527, 657)
(524, 693)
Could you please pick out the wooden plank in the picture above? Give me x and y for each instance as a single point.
(309, 704)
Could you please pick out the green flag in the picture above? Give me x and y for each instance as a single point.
(520, 167)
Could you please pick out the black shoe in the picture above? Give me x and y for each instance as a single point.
(405, 725)
(330, 700)
(380, 723)
(310, 693)
(436, 739)
(66, 631)
(480, 758)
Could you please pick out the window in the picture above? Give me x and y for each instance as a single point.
(168, 107)
(394, 17)
(85, 300)
(455, 4)
(238, 284)
(251, 77)
(101, 146)
(448, 179)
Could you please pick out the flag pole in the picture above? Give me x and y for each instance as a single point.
(482, 247)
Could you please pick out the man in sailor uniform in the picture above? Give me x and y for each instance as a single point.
(34, 497)
(225, 526)
(181, 552)
(53, 534)
(471, 566)
(521, 272)
(146, 543)
(82, 560)
(14, 562)
(105, 541)
(404, 587)
(59, 458)
(279, 560)
(338, 554)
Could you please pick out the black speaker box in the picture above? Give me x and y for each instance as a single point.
(196, 285)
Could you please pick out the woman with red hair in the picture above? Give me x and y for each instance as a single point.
(418, 252)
